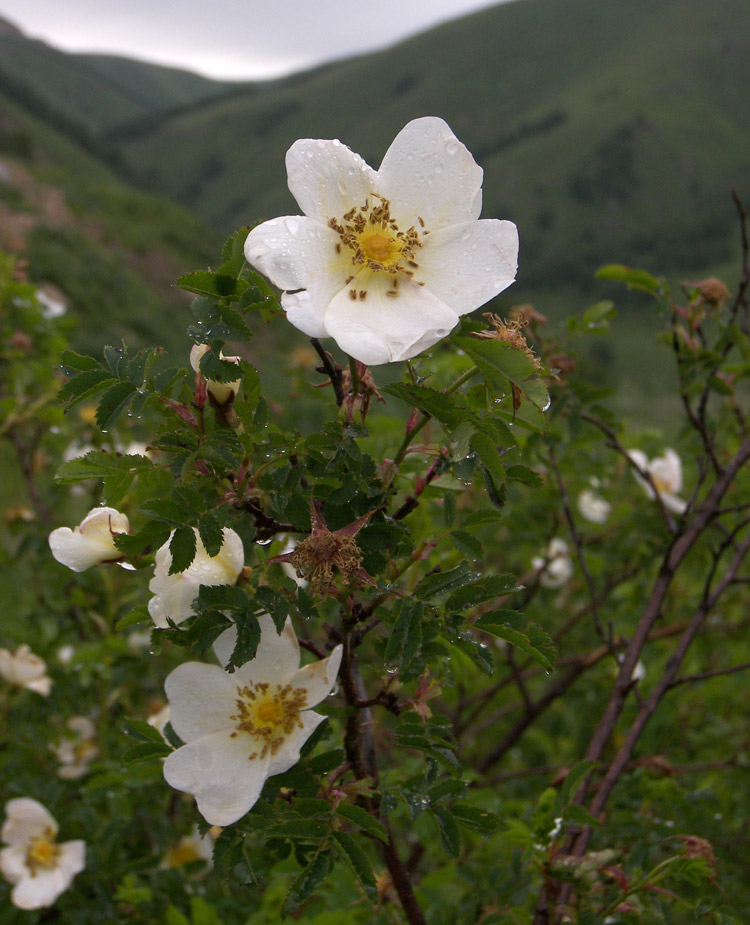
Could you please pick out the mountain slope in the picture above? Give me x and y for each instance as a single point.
(95, 92)
(607, 130)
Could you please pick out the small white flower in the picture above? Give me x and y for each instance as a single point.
(556, 566)
(77, 750)
(66, 654)
(666, 474)
(92, 541)
(244, 727)
(174, 594)
(24, 669)
(593, 507)
(192, 847)
(39, 868)
(222, 392)
(385, 261)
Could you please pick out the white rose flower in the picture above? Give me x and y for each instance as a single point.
(174, 594)
(222, 392)
(244, 727)
(556, 566)
(191, 848)
(593, 507)
(385, 261)
(39, 868)
(77, 750)
(92, 541)
(666, 474)
(24, 669)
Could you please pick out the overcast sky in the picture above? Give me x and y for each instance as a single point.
(236, 39)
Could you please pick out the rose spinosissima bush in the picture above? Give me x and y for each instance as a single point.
(515, 731)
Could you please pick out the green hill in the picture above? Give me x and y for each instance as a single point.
(607, 130)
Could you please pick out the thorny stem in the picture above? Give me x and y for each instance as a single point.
(359, 743)
(333, 371)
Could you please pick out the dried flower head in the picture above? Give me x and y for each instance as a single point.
(511, 332)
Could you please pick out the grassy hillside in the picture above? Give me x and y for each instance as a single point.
(607, 130)
(93, 92)
(112, 251)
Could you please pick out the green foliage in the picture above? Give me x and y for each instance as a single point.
(489, 690)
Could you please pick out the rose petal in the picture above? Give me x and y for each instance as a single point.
(13, 862)
(276, 659)
(305, 312)
(202, 699)
(381, 329)
(293, 251)
(288, 752)
(218, 770)
(327, 178)
(26, 819)
(467, 265)
(318, 677)
(428, 173)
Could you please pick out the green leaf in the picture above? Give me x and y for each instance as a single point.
(450, 834)
(634, 279)
(486, 448)
(84, 384)
(98, 464)
(525, 475)
(141, 730)
(182, 547)
(273, 603)
(233, 253)
(364, 820)
(441, 582)
(577, 815)
(483, 589)
(500, 363)
(206, 283)
(405, 639)
(517, 629)
(150, 538)
(307, 881)
(474, 818)
(358, 862)
(139, 615)
(436, 404)
(145, 751)
(467, 544)
(77, 362)
(113, 403)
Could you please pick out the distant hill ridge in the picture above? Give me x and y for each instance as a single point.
(609, 130)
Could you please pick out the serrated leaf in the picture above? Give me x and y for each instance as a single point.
(486, 448)
(141, 730)
(113, 403)
(517, 629)
(233, 253)
(274, 604)
(206, 283)
(358, 862)
(145, 751)
(182, 548)
(474, 818)
(436, 404)
(98, 464)
(306, 882)
(84, 384)
(151, 537)
(525, 475)
(483, 589)
(441, 582)
(77, 362)
(364, 820)
(501, 363)
(450, 834)
(405, 639)
(467, 544)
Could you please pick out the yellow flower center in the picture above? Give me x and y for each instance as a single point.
(660, 485)
(376, 245)
(269, 712)
(42, 853)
